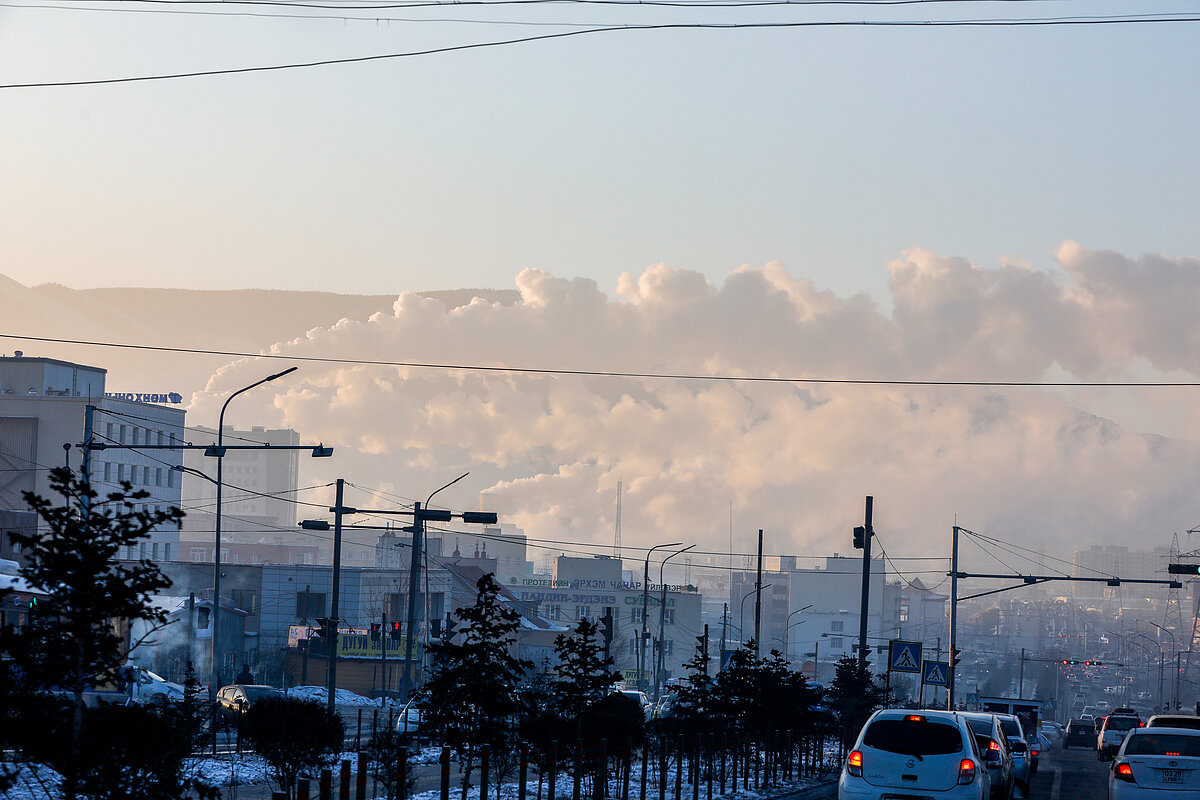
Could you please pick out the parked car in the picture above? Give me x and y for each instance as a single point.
(1034, 741)
(238, 698)
(1112, 734)
(1022, 759)
(1173, 721)
(411, 720)
(1080, 733)
(915, 753)
(990, 738)
(1156, 762)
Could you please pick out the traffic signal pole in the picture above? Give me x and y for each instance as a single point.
(953, 621)
(332, 638)
(868, 532)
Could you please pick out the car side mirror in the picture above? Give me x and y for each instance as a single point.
(992, 757)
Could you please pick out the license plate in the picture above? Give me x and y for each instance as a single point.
(1172, 776)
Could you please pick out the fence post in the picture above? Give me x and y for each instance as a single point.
(325, 784)
(679, 746)
(710, 742)
(600, 782)
(360, 784)
(645, 765)
(401, 774)
(578, 767)
(344, 780)
(484, 759)
(628, 768)
(663, 761)
(302, 789)
(445, 764)
(358, 731)
(552, 756)
(523, 772)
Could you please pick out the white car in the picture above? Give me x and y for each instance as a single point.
(1162, 763)
(902, 753)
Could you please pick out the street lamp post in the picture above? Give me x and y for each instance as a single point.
(742, 610)
(1158, 697)
(645, 602)
(787, 626)
(662, 616)
(218, 452)
(1174, 652)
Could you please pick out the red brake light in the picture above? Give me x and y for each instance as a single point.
(854, 764)
(966, 772)
(914, 718)
(993, 746)
(1123, 772)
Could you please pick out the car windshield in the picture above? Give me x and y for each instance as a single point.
(1163, 744)
(913, 737)
(260, 693)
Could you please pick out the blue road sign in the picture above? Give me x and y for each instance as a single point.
(935, 673)
(904, 656)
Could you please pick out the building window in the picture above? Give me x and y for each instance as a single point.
(122, 435)
(198, 554)
(237, 558)
(669, 616)
(583, 611)
(158, 476)
(107, 472)
(154, 550)
(310, 605)
(668, 646)
(635, 616)
(108, 431)
(553, 612)
(837, 625)
(167, 552)
(246, 600)
(170, 479)
(836, 643)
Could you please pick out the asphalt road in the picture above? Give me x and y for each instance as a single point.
(1073, 774)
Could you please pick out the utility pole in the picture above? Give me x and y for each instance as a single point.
(1021, 680)
(414, 587)
(704, 653)
(953, 620)
(724, 626)
(383, 640)
(866, 533)
(758, 599)
(334, 621)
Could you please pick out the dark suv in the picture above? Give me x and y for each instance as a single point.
(235, 700)
(1080, 733)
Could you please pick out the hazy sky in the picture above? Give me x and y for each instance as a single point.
(998, 193)
(830, 149)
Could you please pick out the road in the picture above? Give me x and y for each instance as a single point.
(1071, 775)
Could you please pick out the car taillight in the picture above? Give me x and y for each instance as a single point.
(854, 764)
(1123, 772)
(1035, 755)
(992, 745)
(966, 771)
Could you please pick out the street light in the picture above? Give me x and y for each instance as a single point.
(645, 602)
(662, 616)
(742, 609)
(787, 626)
(218, 452)
(1158, 697)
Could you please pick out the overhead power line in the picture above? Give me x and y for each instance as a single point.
(591, 373)
(955, 23)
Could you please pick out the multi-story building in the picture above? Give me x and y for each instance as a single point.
(45, 407)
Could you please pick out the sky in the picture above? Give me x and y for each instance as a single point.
(862, 202)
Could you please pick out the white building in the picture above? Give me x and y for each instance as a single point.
(43, 412)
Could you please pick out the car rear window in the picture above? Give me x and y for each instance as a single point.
(1011, 729)
(1163, 744)
(1175, 722)
(913, 737)
(1121, 723)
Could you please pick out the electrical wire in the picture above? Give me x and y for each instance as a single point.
(614, 373)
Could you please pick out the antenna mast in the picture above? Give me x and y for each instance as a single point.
(617, 533)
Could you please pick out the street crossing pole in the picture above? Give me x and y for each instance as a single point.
(953, 620)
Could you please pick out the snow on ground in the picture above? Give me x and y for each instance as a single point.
(34, 782)
(341, 697)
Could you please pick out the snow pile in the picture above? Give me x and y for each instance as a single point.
(34, 782)
(341, 697)
(233, 770)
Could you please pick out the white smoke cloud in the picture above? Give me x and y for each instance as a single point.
(1056, 468)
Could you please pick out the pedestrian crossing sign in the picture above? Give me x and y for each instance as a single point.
(935, 673)
(904, 656)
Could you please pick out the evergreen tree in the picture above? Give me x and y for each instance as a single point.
(471, 696)
(293, 735)
(76, 637)
(853, 695)
(695, 697)
(584, 673)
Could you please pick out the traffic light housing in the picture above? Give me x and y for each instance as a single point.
(860, 537)
(395, 632)
(322, 631)
(607, 629)
(955, 656)
(448, 628)
(1183, 569)
(376, 631)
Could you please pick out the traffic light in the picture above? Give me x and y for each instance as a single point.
(448, 628)
(376, 631)
(322, 631)
(955, 656)
(607, 628)
(1183, 569)
(395, 632)
(860, 537)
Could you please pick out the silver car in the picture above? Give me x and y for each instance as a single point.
(1022, 761)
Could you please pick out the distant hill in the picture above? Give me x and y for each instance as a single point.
(241, 320)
